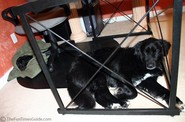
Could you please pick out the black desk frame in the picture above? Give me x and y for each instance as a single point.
(22, 10)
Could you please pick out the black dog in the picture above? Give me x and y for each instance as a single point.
(132, 64)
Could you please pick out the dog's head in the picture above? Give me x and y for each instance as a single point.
(151, 52)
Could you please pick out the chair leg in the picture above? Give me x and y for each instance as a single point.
(51, 61)
(55, 50)
(53, 42)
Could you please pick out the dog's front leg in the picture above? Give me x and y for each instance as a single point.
(151, 86)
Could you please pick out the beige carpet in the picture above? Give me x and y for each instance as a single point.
(21, 104)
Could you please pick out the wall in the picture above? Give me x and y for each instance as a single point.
(7, 47)
(126, 6)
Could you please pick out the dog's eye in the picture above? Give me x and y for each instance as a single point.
(153, 50)
(150, 51)
(147, 51)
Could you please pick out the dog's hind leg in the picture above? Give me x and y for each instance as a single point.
(105, 99)
(108, 101)
(85, 100)
(103, 95)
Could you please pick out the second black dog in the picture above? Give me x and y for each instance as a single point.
(139, 65)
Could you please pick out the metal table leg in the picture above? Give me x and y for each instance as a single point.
(177, 19)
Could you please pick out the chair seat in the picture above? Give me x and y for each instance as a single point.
(49, 18)
(50, 23)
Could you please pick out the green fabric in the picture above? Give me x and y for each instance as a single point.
(32, 68)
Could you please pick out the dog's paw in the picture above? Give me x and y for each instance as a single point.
(116, 106)
(126, 104)
(120, 106)
(181, 107)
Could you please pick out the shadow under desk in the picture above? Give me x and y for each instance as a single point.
(62, 64)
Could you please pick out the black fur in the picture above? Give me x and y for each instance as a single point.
(131, 64)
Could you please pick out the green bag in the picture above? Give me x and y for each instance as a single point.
(32, 68)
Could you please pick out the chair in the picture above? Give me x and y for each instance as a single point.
(52, 18)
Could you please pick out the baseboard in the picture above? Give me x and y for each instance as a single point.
(3, 79)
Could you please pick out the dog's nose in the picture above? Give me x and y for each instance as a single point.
(151, 66)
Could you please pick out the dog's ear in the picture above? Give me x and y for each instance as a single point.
(165, 46)
(137, 48)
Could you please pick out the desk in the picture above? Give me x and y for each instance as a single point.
(35, 6)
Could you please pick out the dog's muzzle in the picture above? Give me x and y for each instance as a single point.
(151, 65)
